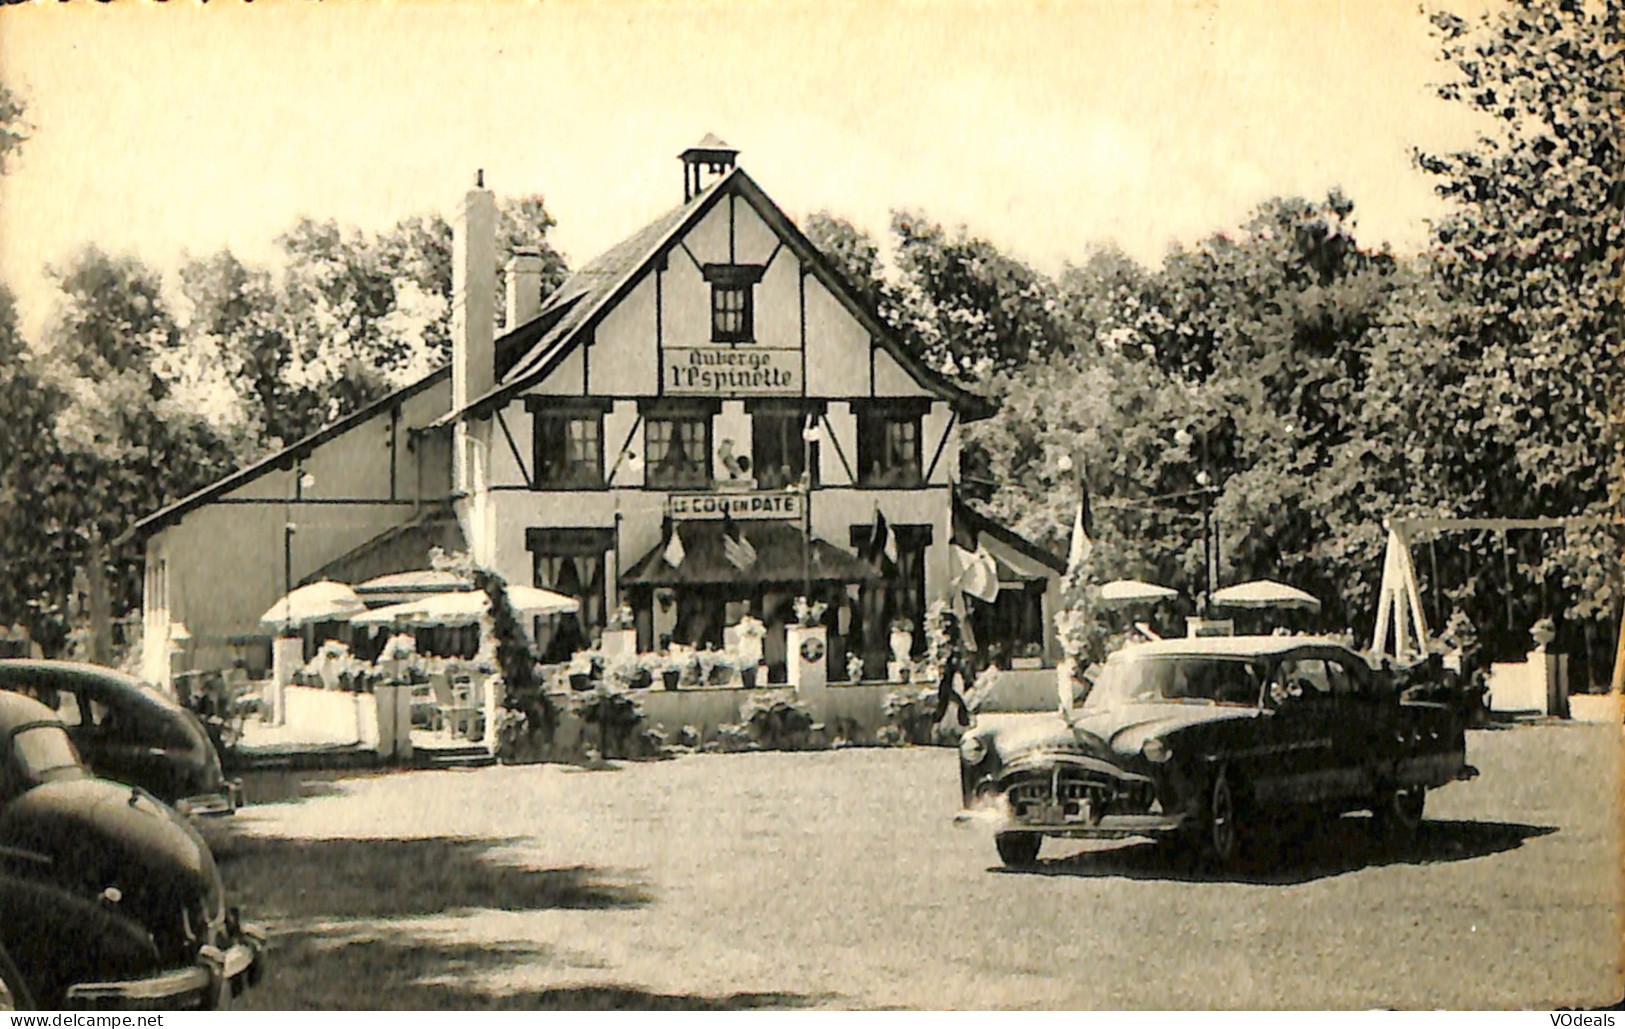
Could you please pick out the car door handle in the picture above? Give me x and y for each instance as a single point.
(157, 752)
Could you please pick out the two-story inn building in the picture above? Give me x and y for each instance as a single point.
(703, 422)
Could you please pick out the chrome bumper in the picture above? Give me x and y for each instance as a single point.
(216, 977)
(213, 805)
(1109, 827)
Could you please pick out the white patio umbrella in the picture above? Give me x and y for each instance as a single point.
(466, 607)
(323, 601)
(1262, 593)
(1133, 591)
(400, 587)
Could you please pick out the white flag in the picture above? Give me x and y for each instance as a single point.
(983, 581)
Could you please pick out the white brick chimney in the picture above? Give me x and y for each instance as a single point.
(524, 286)
(473, 315)
(473, 296)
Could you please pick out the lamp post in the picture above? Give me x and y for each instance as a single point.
(302, 481)
(1183, 438)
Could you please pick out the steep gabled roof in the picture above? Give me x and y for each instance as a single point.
(575, 308)
(282, 458)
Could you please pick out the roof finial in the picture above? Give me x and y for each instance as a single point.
(479, 179)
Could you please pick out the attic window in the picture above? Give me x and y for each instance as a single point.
(733, 316)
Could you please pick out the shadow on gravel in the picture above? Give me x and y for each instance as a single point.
(345, 967)
(291, 785)
(278, 879)
(1299, 855)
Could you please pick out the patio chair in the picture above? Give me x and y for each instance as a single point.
(455, 709)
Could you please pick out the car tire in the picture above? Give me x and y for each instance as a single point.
(1225, 834)
(1018, 849)
(14, 995)
(1396, 814)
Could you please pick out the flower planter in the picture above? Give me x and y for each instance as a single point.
(747, 677)
(902, 643)
(671, 678)
(721, 676)
(642, 680)
(580, 681)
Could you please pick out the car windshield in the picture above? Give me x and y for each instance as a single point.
(42, 751)
(1146, 678)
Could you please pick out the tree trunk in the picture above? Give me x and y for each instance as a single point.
(101, 619)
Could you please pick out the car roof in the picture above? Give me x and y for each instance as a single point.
(77, 675)
(1234, 646)
(17, 710)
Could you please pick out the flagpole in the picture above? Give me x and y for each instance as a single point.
(806, 513)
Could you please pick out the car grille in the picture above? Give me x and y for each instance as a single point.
(1074, 793)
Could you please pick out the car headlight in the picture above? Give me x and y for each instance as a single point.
(972, 750)
(1156, 750)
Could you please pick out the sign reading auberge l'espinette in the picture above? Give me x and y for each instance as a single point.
(745, 370)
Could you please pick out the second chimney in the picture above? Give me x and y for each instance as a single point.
(524, 286)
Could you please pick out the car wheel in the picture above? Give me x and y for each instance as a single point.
(1224, 818)
(1397, 813)
(1018, 849)
(13, 994)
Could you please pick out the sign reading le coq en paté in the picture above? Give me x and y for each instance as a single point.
(744, 370)
(741, 506)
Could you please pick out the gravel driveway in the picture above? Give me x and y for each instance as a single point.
(835, 879)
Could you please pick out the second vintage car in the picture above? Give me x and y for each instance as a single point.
(109, 898)
(1202, 740)
(130, 732)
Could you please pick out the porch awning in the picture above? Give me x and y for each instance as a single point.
(779, 558)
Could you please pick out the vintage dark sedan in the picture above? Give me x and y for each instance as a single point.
(111, 898)
(1202, 741)
(130, 732)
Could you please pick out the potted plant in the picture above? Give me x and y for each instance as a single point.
(1543, 633)
(624, 672)
(854, 667)
(810, 613)
(585, 666)
(668, 667)
(751, 634)
(902, 640)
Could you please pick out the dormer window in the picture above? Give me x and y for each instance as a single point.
(733, 313)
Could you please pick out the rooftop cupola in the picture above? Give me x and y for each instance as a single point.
(708, 155)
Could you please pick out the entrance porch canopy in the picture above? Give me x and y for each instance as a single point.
(779, 558)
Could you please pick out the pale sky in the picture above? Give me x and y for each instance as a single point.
(1045, 127)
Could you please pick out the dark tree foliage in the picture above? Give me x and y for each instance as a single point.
(523, 690)
(1526, 341)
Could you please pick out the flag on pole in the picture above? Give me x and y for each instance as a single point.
(983, 582)
(974, 573)
(1083, 526)
(882, 541)
(674, 552)
(735, 547)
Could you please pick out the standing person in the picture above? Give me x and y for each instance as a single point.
(953, 664)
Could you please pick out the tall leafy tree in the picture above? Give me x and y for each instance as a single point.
(1530, 263)
(967, 308)
(349, 316)
(1236, 366)
(13, 125)
(109, 440)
